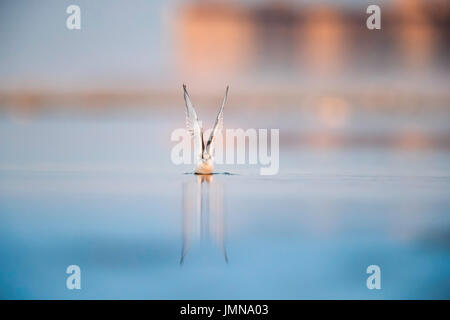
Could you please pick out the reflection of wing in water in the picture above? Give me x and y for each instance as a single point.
(203, 218)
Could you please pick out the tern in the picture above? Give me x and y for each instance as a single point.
(202, 152)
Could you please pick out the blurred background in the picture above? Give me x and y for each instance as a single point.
(85, 172)
(310, 59)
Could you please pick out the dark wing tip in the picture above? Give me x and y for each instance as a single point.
(185, 91)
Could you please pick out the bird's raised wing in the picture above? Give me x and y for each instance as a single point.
(217, 125)
(193, 126)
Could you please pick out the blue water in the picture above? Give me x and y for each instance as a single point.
(104, 195)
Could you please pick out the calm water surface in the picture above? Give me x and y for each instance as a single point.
(106, 197)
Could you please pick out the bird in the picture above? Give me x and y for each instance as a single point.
(204, 162)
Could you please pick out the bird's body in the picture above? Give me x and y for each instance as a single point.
(204, 166)
(202, 153)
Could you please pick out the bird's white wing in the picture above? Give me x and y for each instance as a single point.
(193, 126)
(217, 125)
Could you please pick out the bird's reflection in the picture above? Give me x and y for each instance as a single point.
(203, 216)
